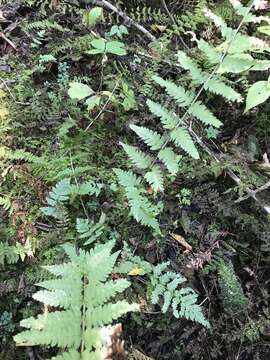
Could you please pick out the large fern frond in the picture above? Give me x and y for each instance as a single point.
(83, 292)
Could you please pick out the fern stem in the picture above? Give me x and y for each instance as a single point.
(83, 313)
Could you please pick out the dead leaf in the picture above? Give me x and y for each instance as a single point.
(182, 241)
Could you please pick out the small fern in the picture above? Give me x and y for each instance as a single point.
(89, 231)
(165, 290)
(8, 254)
(83, 292)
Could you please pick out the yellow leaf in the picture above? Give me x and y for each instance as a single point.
(136, 271)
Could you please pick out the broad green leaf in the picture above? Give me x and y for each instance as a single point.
(99, 46)
(257, 94)
(92, 102)
(79, 91)
(90, 18)
(264, 29)
(116, 47)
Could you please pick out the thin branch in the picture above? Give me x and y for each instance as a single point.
(3, 36)
(106, 4)
(260, 189)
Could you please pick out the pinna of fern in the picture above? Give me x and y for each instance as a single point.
(83, 294)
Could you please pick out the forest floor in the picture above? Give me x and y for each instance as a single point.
(213, 232)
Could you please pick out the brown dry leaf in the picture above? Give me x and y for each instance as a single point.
(180, 239)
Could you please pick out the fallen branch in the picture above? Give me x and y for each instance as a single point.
(106, 4)
(3, 36)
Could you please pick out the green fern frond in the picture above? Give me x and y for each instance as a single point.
(83, 294)
(142, 209)
(168, 119)
(8, 254)
(150, 137)
(170, 159)
(89, 231)
(199, 77)
(137, 157)
(178, 93)
(202, 113)
(185, 98)
(182, 138)
(127, 178)
(155, 179)
(165, 289)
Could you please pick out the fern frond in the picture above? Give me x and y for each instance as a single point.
(202, 113)
(150, 137)
(142, 209)
(178, 93)
(185, 98)
(137, 157)
(155, 179)
(165, 286)
(85, 312)
(170, 159)
(88, 230)
(127, 178)
(199, 77)
(168, 119)
(182, 138)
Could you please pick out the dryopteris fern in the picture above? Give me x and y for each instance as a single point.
(90, 231)
(84, 293)
(163, 148)
(165, 288)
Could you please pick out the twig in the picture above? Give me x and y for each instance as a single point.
(106, 4)
(13, 98)
(174, 22)
(3, 36)
(104, 106)
(260, 189)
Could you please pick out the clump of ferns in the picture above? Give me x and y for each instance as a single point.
(164, 148)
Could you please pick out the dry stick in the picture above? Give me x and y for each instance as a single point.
(174, 22)
(109, 6)
(3, 36)
(260, 189)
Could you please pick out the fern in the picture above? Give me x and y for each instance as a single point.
(165, 284)
(140, 207)
(89, 231)
(45, 25)
(199, 77)
(8, 254)
(83, 292)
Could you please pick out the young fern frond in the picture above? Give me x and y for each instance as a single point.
(165, 291)
(84, 294)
